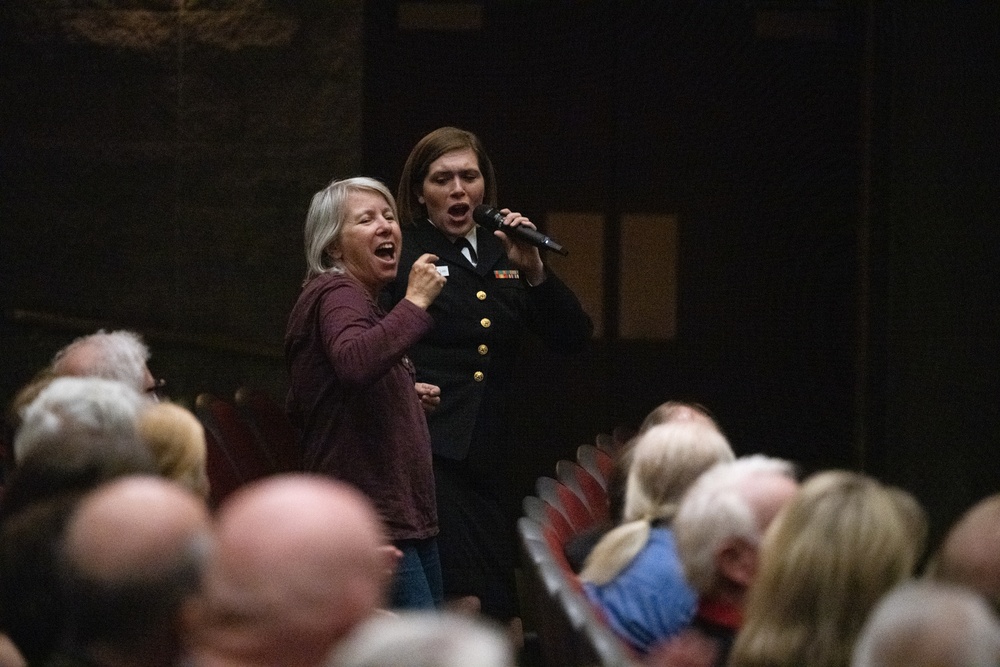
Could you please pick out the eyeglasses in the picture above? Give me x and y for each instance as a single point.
(158, 391)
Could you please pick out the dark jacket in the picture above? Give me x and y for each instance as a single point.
(479, 318)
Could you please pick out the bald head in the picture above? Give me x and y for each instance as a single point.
(132, 554)
(134, 527)
(970, 553)
(929, 624)
(297, 564)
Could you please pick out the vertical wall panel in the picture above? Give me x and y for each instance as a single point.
(649, 277)
(582, 234)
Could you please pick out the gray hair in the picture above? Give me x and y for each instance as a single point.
(425, 639)
(325, 220)
(115, 355)
(717, 508)
(86, 412)
(924, 623)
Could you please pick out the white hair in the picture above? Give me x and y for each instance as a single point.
(425, 639)
(927, 623)
(73, 410)
(115, 355)
(718, 508)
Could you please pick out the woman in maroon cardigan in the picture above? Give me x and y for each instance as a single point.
(352, 388)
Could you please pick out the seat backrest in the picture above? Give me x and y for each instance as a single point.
(271, 427)
(224, 476)
(566, 501)
(597, 462)
(570, 631)
(223, 421)
(556, 529)
(586, 486)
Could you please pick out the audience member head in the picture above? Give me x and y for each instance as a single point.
(929, 624)
(9, 655)
(298, 564)
(425, 639)
(830, 554)
(970, 552)
(115, 355)
(132, 552)
(662, 414)
(176, 439)
(79, 412)
(669, 411)
(666, 460)
(722, 520)
(326, 221)
(78, 433)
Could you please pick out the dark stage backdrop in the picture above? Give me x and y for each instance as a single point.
(828, 171)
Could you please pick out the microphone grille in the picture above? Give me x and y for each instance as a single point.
(487, 216)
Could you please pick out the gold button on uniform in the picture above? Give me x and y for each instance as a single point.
(481, 295)
(483, 349)
(478, 376)
(485, 322)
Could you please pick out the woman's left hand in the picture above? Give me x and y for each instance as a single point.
(522, 254)
(429, 395)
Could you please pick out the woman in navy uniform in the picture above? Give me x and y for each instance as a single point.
(496, 288)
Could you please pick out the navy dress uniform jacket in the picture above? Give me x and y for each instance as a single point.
(479, 317)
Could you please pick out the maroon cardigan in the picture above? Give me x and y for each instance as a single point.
(351, 395)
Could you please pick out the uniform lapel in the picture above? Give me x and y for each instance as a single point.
(432, 240)
(489, 249)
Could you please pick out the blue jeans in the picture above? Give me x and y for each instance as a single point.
(417, 582)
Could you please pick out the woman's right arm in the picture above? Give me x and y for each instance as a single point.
(361, 347)
(425, 281)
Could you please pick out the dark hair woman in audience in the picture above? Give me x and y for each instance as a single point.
(352, 392)
(497, 288)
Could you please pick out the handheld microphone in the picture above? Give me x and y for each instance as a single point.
(492, 219)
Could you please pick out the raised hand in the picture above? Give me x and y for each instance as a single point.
(522, 254)
(424, 283)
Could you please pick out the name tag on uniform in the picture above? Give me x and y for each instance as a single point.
(442, 269)
(509, 274)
